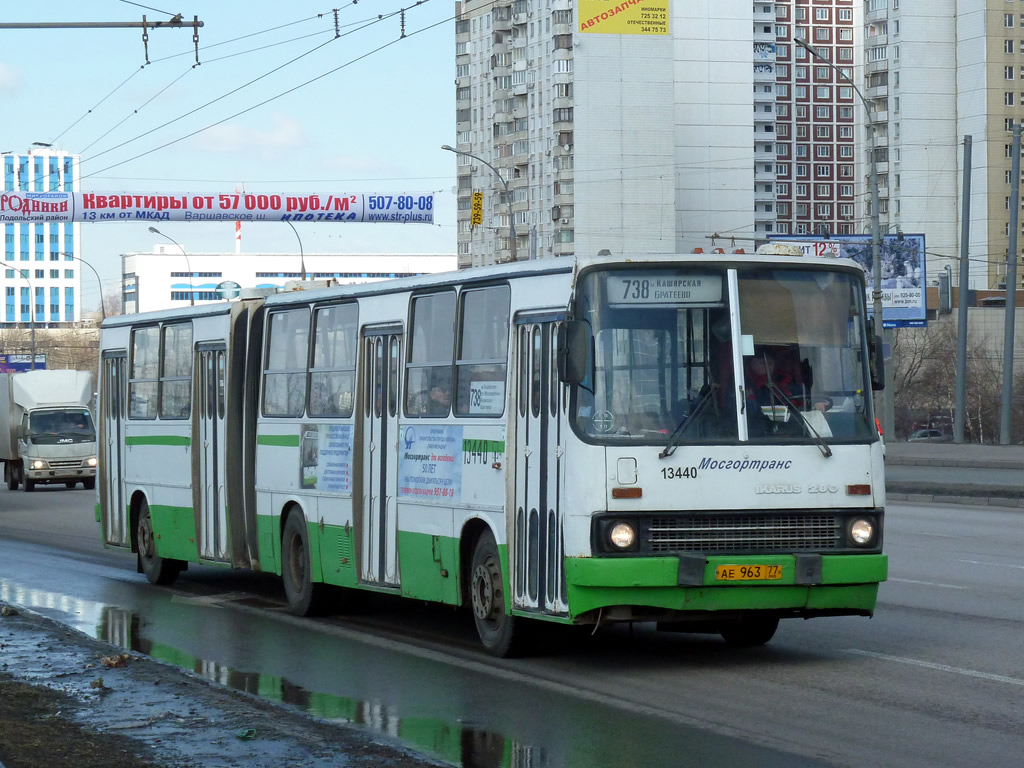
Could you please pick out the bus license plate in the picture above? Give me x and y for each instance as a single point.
(748, 572)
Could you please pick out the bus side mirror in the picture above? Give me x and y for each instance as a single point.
(573, 342)
(876, 362)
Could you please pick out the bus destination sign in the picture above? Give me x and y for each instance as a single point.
(663, 288)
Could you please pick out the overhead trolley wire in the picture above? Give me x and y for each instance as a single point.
(382, 17)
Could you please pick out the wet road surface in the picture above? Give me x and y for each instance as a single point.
(933, 680)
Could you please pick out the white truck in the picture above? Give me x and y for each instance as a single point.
(47, 433)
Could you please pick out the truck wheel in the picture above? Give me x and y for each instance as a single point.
(30, 485)
(158, 570)
(70, 484)
(11, 476)
(89, 484)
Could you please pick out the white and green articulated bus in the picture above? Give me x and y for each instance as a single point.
(682, 440)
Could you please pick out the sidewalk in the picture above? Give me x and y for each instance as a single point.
(953, 455)
(947, 473)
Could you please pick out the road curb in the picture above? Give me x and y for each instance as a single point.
(938, 498)
(908, 461)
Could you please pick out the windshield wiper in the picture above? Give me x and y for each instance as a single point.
(677, 433)
(811, 431)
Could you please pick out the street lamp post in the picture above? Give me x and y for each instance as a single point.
(191, 290)
(31, 307)
(302, 256)
(99, 283)
(508, 199)
(876, 224)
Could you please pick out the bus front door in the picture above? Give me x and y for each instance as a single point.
(113, 392)
(537, 572)
(208, 460)
(382, 350)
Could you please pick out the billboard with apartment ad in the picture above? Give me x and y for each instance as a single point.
(903, 271)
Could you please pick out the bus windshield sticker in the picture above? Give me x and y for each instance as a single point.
(662, 288)
(486, 398)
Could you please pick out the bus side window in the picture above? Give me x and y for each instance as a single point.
(481, 363)
(284, 375)
(431, 347)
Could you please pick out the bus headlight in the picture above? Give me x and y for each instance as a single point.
(862, 531)
(37, 464)
(622, 535)
(91, 461)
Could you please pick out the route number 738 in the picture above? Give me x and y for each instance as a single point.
(678, 473)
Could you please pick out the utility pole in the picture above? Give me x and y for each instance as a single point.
(1012, 254)
(961, 326)
(878, 329)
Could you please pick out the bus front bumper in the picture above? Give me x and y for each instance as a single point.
(802, 585)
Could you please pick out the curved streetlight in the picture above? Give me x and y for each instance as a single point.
(876, 225)
(191, 290)
(31, 306)
(302, 256)
(508, 199)
(99, 283)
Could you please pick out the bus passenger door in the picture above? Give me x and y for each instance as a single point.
(212, 522)
(382, 351)
(113, 389)
(537, 579)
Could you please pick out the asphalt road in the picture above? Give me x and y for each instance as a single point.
(935, 679)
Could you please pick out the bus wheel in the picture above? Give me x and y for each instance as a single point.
(304, 596)
(749, 632)
(158, 570)
(501, 634)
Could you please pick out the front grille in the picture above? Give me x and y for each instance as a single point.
(69, 464)
(745, 533)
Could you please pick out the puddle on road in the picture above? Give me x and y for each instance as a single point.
(454, 742)
(458, 743)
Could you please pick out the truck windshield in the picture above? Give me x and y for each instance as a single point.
(71, 425)
(662, 361)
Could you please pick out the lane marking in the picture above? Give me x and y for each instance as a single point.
(994, 565)
(927, 583)
(937, 667)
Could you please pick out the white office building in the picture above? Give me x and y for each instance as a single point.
(41, 269)
(171, 277)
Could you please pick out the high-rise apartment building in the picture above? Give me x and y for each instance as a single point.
(40, 275)
(632, 143)
(818, 117)
(925, 74)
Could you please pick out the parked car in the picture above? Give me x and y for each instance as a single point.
(930, 436)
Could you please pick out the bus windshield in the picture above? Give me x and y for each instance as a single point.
(663, 360)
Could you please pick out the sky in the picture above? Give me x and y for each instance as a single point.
(278, 105)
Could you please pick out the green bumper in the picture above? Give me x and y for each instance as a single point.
(845, 584)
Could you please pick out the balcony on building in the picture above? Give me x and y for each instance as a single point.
(764, 73)
(870, 67)
(764, 50)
